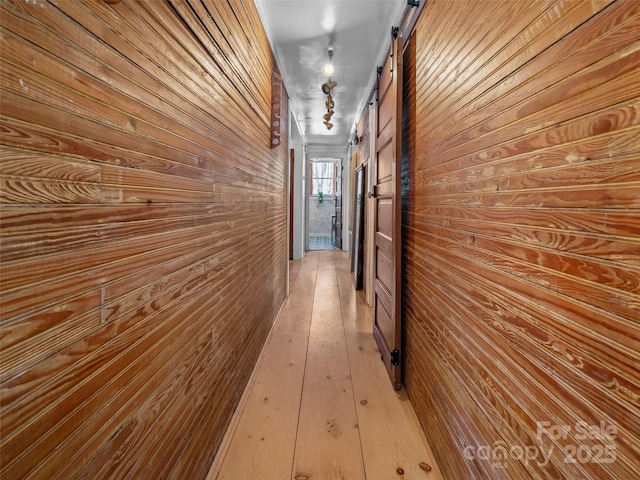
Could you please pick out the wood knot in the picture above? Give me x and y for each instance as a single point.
(400, 471)
(301, 477)
(363, 402)
(333, 429)
(425, 466)
(601, 125)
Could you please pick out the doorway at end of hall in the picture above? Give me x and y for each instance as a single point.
(324, 221)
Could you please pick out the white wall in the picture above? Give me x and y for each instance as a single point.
(299, 190)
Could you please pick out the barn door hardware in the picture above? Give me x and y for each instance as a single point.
(379, 72)
(395, 357)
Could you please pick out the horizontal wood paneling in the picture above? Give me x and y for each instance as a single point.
(143, 232)
(521, 215)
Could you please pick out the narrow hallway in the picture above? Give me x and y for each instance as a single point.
(319, 404)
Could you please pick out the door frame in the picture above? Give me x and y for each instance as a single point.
(340, 156)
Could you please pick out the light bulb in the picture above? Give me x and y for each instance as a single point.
(328, 69)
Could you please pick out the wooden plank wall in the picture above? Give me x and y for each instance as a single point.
(143, 232)
(521, 223)
(362, 131)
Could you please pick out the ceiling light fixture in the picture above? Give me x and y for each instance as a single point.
(328, 86)
(329, 103)
(328, 68)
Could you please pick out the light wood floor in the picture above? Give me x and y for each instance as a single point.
(319, 405)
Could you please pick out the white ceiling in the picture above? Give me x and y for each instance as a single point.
(301, 31)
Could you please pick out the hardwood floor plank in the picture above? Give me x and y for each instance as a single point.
(393, 445)
(301, 417)
(264, 440)
(328, 444)
(261, 438)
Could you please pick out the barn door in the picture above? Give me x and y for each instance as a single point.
(387, 326)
